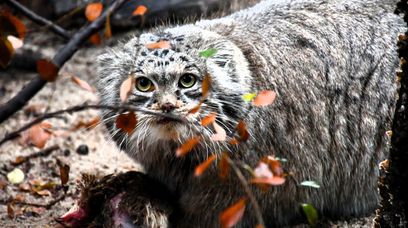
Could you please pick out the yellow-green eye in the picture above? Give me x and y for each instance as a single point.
(187, 80)
(144, 84)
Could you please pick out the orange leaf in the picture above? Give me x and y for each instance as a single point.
(95, 39)
(108, 30)
(187, 146)
(233, 141)
(83, 84)
(259, 226)
(204, 166)
(11, 25)
(233, 214)
(270, 181)
(162, 44)
(264, 98)
(196, 108)
(6, 52)
(19, 160)
(242, 131)
(140, 11)
(210, 118)
(274, 165)
(127, 122)
(87, 124)
(93, 11)
(206, 85)
(126, 88)
(224, 165)
(220, 134)
(37, 135)
(47, 69)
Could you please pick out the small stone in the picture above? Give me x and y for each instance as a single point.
(82, 149)
(67, 152)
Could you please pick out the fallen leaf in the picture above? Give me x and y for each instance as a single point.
(196, 108)
(15, 42)
(34, 109)
(10, 210)
(81, 83)
(127, 122)
(264, 98)
(209, 119)
(204, 166)
(11, 25)
(87, 124)
(248, 97)
(95, 39)
(47, 69)
(274, 165)
(140, 11)
(161, 44)
(19, 160)
(224, 166)
(24, 187)
(232, 215)
(311, 213)
(126, 88)
(16, 176)
(43, 193)
(187, 146)
(93, 11)
(206, 86)
(242, 131)
(3, 184)
(312, 184)
(37, 135)
(6, 52)
(208, 53)
(269, 181)
(220, 134)
(108, 30)
(64, 172)
(19, 197)
(234, 141)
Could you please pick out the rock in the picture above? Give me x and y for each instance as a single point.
(82, 149)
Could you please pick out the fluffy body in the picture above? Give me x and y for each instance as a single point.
(332, 64)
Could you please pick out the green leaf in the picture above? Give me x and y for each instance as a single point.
(248, 97)
(16, 176)
(311, 213)
(310, 184)
(208, 53)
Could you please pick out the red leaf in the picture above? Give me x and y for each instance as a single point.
(274, 165)
(204, 166)
(270, 181)
(162, 44)
(93, 11)
(140, 11)
(83, 84)
(126, 88)
(206, 85)
(210, 118)
(47, 69)
(87, 124)
(6, 52)
(95, 39)
(11, 25)
(224, 165)
(242, 131)
(220, 134)
(196, 108)
(187, 146)
(127, 122)
(37, 135)
(233, 214)
(264, 98)
(64, 172)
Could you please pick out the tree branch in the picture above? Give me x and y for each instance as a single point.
(79, 108)
(38, 19)
(63, 55)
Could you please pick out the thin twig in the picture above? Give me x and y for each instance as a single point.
(79, 108)
(46, 206)
(248, 191)
(63, 55)
(39, 20)
(42, 153)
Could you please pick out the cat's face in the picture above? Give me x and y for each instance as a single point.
(169, 80)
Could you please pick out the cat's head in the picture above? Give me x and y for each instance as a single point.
(169, 80)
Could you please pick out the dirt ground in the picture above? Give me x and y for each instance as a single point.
(103, 156)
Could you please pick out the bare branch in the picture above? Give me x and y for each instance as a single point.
(63, 55)
(39, 20)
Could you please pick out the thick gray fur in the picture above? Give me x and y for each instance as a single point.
(332, 64)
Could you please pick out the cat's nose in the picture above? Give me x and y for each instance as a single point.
(167, 107)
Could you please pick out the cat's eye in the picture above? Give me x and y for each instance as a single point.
(187, 80)
(144, 84)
